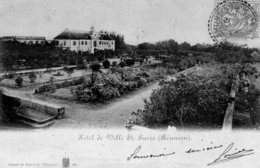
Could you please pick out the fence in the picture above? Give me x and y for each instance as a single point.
(228, 119)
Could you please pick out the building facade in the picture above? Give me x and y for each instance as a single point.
(85, 41)
(25, 39)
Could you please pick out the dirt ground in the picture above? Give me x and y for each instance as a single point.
(111, 114)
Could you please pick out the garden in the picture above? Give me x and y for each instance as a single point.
(36, 78)
(100, 86)
(199, 99)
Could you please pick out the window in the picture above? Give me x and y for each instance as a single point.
(74, 42)
(86, 42)
(99, 42)
(82, 42)
(64, 43)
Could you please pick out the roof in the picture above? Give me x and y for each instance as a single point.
(72, 34)
(24, 37)
(105, 37)
(68, 34)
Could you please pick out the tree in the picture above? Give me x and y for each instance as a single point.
(32, 77)
(129, 62)
(199, 98)
(122, 64)
(95, 69)
(8, 62)
(185, 46)
(69, 71)
(106, 64)
(100, 58)
(145, 46)
(19, 81)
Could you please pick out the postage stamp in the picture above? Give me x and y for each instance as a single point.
(234, 20)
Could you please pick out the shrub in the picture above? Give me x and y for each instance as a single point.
(85, 80)
(114, 83)
(114, 64)
(19, 81)
(106, 64)
(58, 74)
(191, 99)
(171, 71)
(45, 88)
(69, 71)
(129, 62)
(51, 80)
(122, 64)
(66, 84)
(10, 76)
(108, 92)
(81, 93)
(82, 66)
(32, 77)
(95, 67)
(40, 74)
(100, 58)
(142, 82)
(65, 68)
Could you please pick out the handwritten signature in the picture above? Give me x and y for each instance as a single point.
(226, 156)
(135, 156)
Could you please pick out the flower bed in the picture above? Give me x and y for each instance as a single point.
(104, 86)
(42, 79)
(53, 87)
(115, 83)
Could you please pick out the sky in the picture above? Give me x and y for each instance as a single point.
(138, 20)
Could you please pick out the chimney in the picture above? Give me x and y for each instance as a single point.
(92, 29)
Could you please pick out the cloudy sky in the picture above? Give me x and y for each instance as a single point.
(138, 20)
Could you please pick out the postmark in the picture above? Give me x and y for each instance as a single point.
(233, 20)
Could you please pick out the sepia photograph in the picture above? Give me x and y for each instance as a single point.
(118, 75)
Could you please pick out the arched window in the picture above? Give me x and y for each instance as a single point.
(74, 42)
(82, 42)
(86, 42)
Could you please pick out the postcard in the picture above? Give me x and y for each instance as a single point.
(140, 83)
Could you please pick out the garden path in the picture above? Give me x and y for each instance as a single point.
(111, 114)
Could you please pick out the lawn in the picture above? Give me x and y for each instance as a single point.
(63, 93)
(44, 77)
